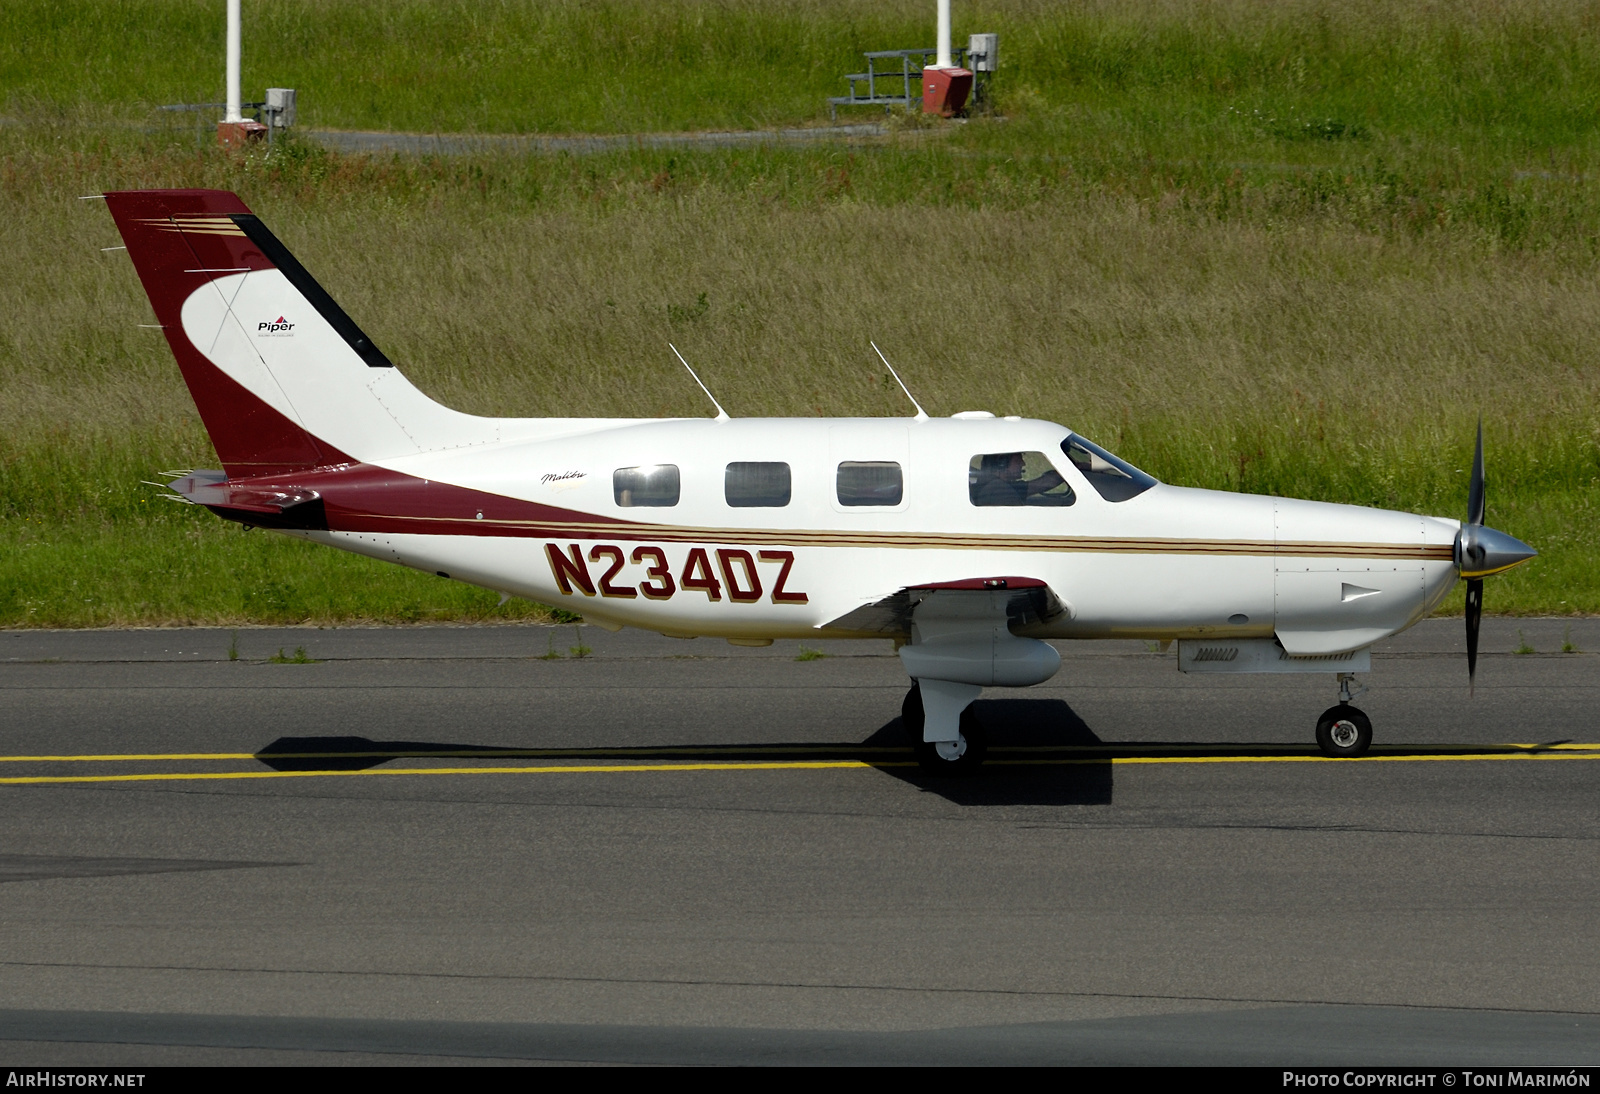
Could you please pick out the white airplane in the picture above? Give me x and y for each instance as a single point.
(966, 540)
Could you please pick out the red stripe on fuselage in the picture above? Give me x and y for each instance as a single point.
(360, 497)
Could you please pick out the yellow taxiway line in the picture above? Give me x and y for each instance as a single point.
(447, 754)
(592, 769)
(1526, 749)
(1587, 753)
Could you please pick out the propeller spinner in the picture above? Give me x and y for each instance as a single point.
(1482, 551)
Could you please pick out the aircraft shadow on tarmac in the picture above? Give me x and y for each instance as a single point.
(1021, 730)
(1040, 753)
(1035, 728)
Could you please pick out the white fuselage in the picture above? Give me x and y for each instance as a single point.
(1171, 562)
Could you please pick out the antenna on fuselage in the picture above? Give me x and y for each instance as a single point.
(722, 415)
(922, 415)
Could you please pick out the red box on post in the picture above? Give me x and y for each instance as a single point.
(945, 90)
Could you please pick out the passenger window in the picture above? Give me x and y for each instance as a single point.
(752, 485)
(875, 483)
(654, 484)
(1016, 478)
(1113, 479)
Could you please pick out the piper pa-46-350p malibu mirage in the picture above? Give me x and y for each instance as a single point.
(967, 540)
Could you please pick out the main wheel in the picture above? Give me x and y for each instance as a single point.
(1343, 731)
(962, 757)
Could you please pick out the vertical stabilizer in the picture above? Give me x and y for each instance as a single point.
(283, 378)
(180, 242)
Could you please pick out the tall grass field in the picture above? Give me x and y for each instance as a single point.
(1292, 249)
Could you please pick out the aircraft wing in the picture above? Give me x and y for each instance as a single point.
(1025, 601)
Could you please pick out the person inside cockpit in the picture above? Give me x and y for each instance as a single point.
(1000, 478)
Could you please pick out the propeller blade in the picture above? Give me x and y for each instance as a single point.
(1477, 499)
(1474, 616)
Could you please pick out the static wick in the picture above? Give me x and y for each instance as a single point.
(722, 415)
(922, 415)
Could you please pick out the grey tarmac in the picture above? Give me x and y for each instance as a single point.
(471, 844)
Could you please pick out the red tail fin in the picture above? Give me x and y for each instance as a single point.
(179, 241)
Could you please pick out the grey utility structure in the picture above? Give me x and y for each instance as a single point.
(890, 86)
(276, 112)
(983, 56)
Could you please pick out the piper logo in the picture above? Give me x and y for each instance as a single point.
(277, 328)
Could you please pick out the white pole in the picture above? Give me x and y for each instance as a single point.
(235, 114)
(944, 34)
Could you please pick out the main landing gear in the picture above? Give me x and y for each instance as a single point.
(1343, 730)
(963, 756)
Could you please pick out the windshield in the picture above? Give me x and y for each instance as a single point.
(1113, 479)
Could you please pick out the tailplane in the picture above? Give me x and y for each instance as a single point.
(284, 379)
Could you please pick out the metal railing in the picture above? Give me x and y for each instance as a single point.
(264, 114)
(890, 96)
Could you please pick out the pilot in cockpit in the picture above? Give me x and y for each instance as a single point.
(999, 480)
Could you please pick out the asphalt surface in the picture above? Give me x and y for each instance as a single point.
(456, 845)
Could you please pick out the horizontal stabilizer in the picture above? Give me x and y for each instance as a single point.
(250, 503)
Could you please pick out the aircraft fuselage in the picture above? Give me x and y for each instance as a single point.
(1171, 562)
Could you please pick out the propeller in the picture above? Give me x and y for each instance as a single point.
(1477, 502)
(1479, 552)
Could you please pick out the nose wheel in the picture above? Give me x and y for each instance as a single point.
(1343, 731)
(962, 756)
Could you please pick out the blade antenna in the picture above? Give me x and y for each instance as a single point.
(922, 415)
(722, 415)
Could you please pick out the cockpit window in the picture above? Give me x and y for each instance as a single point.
(1016, 478)
(1112, 478)
(654, 484)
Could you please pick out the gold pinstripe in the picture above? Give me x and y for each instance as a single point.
(791, 537)
(209, 226)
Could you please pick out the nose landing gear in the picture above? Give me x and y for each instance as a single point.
(1343, 730)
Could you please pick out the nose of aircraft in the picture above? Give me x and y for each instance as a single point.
(1482, 551)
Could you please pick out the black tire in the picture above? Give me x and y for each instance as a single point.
(1343, 731)
(973, 744)
(911, 715)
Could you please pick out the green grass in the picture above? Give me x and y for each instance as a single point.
(1295, 250)
(1301, 72)
(195, 570)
